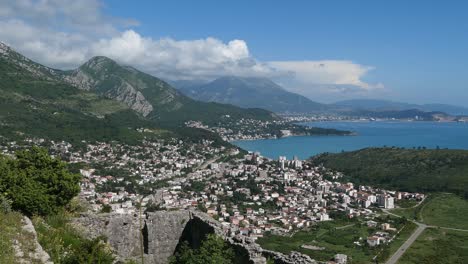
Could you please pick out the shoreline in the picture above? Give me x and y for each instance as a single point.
(301, 135)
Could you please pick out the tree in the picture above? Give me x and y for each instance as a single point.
(36, 183)
(213, 250)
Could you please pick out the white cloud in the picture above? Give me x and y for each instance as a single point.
(186, 59)
(65, 33)
(327, 72)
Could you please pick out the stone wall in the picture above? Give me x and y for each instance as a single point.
(163, 231)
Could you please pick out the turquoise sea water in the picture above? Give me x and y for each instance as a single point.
(369, 134)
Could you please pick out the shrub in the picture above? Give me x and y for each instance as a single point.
(5, 204)
(67, 246)
(213, 250)
(36, 183)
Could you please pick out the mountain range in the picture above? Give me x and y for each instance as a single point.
(250, 92)
(264, 93)
(99, 100)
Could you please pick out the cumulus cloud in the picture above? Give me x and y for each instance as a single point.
(331, 72)
(65, 33)
(187, 59)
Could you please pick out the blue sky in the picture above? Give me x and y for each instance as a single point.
(413, 51)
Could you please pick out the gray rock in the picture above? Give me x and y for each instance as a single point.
(162, 232)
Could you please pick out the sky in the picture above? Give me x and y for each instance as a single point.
(412, 51)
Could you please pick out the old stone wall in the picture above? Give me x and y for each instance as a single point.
(163, 231)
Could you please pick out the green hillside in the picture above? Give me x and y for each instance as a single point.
(151, 96)
(101, 100)
(403, 169)
(34, 103)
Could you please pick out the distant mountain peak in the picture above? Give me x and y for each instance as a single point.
(251, 92)
(4, 48)
(99, 63)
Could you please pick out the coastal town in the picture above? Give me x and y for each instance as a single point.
(251, 129)
(249, 194)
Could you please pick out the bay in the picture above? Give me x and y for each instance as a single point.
(450, 135)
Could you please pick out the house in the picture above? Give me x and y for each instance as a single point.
(341, 259)
(371, 223)
(387, 227)
(373, 241)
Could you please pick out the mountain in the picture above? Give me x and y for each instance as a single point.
(101, 100)
(34, 100)
(450, 109)
(251, 92)
(385, 105)
(150, 96)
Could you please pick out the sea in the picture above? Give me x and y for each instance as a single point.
(431, 135)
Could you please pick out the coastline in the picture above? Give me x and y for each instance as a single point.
(405, 134)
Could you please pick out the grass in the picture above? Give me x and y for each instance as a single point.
(10, 226)
(11, 230)
(443, 209)
(438, 246)
(406, 203)
(446, 210)
(334, 240)
(66, 245)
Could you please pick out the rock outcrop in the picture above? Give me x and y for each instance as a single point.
(28, 249)
(163, 231)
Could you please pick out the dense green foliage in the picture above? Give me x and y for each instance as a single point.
(213, 250)
(37, 183)
(416, 170)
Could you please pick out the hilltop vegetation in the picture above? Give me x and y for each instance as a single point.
(40, 186)
(411, 170)
(36, 183)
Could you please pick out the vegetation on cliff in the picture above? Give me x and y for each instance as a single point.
(414, 170)
(213, 250)
(66, 245)
(36, 183)
(39, 185)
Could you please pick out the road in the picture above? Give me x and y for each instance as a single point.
(346, 226)
(407, 244)
(421, 227)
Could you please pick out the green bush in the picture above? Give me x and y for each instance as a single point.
(36, 183)
(213, 250)
(5, 204)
